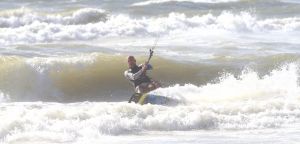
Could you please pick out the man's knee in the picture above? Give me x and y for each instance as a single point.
(146, 87)
(156, 84)
(138, 89)
(141, 88)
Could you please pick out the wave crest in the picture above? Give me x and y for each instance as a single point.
(91, 24)
(23, 17)
(150, 2)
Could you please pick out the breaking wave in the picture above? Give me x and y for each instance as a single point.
(92, 77)
(99, 77)
(23, 17)
(89, 24)
(243, 103)
(195, 1)
(290, 1)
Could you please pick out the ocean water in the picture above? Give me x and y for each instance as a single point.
(233, 66)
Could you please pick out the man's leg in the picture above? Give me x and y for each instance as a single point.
(142, 88)
(147, 87)
(154, 85)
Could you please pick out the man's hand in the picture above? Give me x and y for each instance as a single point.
(145, 66)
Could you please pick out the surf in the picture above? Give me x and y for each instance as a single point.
(26, 26)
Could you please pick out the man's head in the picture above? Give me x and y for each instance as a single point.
(131, 61)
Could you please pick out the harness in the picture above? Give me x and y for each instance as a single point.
(142, 79)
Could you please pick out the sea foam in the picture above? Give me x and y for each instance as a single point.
(150, 2)
(93, 24)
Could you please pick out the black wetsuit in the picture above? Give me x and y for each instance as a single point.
(136, 76)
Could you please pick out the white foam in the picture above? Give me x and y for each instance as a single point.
(247, 87)
(251, 101)
(291, 1)
(150, 2)
(23, 16)
(175, 29)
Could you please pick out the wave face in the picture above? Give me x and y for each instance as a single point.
(92, 77)
(99, 77)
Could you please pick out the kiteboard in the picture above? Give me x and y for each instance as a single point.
(151, 99)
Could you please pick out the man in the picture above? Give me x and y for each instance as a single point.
(137, 76)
